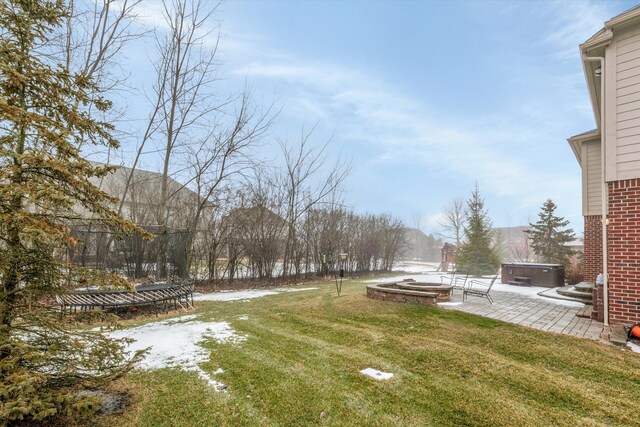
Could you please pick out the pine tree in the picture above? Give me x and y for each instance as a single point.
(45, 115)
(547, 238)
(476, 255)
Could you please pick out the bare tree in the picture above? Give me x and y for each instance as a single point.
(521, 251)
(93, 38)
(185, 70)
(452, 223)
(89, 44)
(416, 218)
(214, 234)
(305, 188)
(222, 154)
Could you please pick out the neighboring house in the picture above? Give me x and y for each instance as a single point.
(513, 244)
(142, 201)
(133, 255)
(577, 246)
(610, 160)
(419, 246)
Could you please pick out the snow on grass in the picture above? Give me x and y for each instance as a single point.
(423, 277)
(375, 374)
(244, 295)
(633, 346)
(176, 343)
(415, 266)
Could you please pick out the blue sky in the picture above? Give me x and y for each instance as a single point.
(426, 98)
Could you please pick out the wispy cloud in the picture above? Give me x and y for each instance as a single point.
(572, 22)
(506, 149)
(404, 130)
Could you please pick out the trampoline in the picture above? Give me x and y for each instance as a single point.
(159, 295)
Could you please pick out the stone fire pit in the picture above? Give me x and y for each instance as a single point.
(410, 292)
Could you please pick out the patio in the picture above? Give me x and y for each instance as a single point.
(520, 305)
(526, 310)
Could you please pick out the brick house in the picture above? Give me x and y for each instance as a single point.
(610, 160)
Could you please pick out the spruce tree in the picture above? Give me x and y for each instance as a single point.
(547, 238)
(46, 114)
(477, 255)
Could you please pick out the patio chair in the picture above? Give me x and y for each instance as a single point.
(457, 280)
(477, 288)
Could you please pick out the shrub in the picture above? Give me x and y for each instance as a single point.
(573, 271)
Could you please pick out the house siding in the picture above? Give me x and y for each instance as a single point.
(617, 117)
(592, 178)
(623, 133)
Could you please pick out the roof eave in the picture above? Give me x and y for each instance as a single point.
(594, 47)
(575, 142)
(624, 18)
(575, 147)
(599, 39)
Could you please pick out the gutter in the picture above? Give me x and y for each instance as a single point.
(604, 194)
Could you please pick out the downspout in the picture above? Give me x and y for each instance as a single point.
(604, 193)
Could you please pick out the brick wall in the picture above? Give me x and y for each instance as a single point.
(592, 265)
(597, 299)
(623, 243)
(592, 247)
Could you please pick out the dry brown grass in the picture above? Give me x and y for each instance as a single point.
(304, 350)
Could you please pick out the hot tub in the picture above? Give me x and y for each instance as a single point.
(545, 275)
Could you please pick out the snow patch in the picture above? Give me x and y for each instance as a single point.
(375, 374)
(424, 277)
(175, 343)
(243, 317)
(244, 295)
(181, 319)
(415, 266)
(449, 304)
(633, 346)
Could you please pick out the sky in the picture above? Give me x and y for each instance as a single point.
(425, 98)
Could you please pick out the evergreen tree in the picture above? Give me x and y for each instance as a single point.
(500, 245)
(476, 255)
(45, 115)
(547, 238)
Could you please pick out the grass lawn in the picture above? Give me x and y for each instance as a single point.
(301, 360)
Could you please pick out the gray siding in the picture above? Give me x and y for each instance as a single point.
(592, 178)
(627, 104)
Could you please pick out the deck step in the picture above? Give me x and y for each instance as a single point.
(584, 287)
(518, 283)
(585, 312)
(556, 294)
(571, 291)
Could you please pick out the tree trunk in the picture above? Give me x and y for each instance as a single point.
(14, 246)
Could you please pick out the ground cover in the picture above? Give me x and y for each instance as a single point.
(298, 356)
